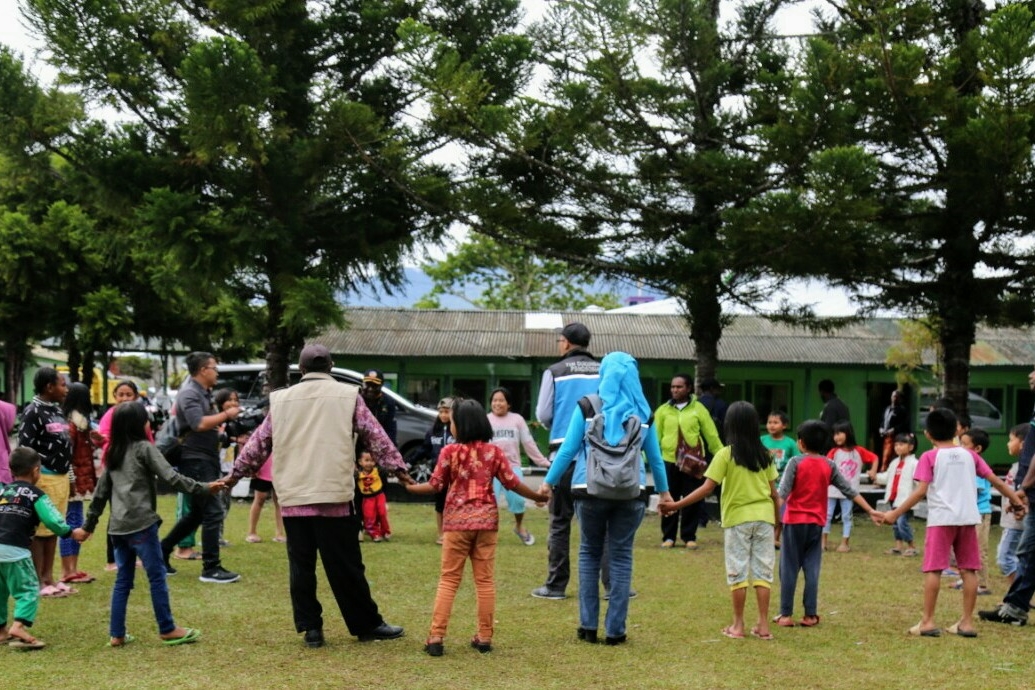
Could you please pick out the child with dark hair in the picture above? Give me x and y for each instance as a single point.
(898, 485)
(849, 458)
(804, 489)
(78, 409)
(946, 476)
(373, 502)
(128, 483)
(781, 447)
(977, 440)
(749, 507)
(23, 506)
(1012, 527)
(470, 521)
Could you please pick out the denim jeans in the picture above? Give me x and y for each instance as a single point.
(1022, 589)
(902, 530)
(846, 516)
(145, 546)
(613, 522)
(1006, 554)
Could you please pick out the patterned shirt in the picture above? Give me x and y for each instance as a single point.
(364, 424)
(468, 469)
(45, 430)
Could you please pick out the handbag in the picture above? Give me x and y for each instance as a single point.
(690, 459)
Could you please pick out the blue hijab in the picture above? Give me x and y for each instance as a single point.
(621, 394)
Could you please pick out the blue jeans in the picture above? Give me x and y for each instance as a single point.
(1006, 554)
(902, 529)
(145, 546)
(613, 522)
(1022, 589)
(846, 516)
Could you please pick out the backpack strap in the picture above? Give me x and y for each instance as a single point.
(590, 405)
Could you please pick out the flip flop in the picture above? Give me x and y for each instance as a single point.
(280, 540)
(16, 642)
(194, 556)
(784, 621)
(191, 635)
(954, 629)
(917, 632)
(52, 592)
(809, 621)
(126, 639)
(78, 578)
(730, 633)
(67, 589)
(253, 539)
(762, 636)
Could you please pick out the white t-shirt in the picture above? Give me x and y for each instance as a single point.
(952, 485)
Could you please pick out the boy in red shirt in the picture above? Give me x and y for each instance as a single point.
(804, 491)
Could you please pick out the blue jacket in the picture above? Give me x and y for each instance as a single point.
(564, 382)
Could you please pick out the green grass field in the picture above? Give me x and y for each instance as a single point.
(867, 601)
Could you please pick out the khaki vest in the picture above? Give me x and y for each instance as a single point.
(314, 447)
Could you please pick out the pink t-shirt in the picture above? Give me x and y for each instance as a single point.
(104, 429)
(266, 471)
(951, 475)
(510, 433)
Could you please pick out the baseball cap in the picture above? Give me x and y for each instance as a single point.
(445, 402)
(373, 376)
(314, 356)
(576, 334)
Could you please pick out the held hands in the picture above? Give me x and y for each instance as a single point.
(80, 534)
(879, 518)
(218, 486)
(545, 492)
(667, 506)
(404, 478)
(229, 481)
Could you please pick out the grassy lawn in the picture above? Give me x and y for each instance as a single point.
(867, 601)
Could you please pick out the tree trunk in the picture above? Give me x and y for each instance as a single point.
(75, 357)
(279, 345)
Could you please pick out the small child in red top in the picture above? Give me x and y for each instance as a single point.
(470, 519)
(375, 503)
(804, 489)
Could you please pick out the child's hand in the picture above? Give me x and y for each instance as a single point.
(877, 517)
(216, 486)
(80, 534)
(545, 492)
(666, 508)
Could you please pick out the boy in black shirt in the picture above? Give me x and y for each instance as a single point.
(22, 507)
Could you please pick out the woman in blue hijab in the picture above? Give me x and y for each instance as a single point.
(600, 519)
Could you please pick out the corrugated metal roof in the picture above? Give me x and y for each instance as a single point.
(497, 334)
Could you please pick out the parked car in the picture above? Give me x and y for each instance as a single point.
(983, 414)
(412, 421)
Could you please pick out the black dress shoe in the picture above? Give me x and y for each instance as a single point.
(615, 640)
(434, 648)
(382, 632)
(314, 638)
(587, 635)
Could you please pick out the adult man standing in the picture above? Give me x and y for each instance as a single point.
(834, 409)
(895, 421)
(314, 447)
(1017, 602)
(380, 405)
(199, 460)
(576, 374)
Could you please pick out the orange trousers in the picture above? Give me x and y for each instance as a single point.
(457, 547)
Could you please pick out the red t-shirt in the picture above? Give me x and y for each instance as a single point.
(468, 470)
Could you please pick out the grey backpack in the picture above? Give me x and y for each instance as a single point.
(612, 472)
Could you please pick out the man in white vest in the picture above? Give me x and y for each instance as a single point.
(310, 432)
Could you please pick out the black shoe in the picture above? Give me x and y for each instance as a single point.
(587, 635)
(219, 575)
(999, 615)
(545, 592)
(483, 647)
(434, 648)
(382, 632)
(314, 638)
(612, 641)
(169, 570)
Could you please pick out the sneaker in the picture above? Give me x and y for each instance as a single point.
(546, 593)
(949, 572)
(219, 575)
(526, 537)
(169, 570)
(1001, 615)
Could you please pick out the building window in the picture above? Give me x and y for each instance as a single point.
(771, 397)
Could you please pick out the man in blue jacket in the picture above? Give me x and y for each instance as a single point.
(575, 375)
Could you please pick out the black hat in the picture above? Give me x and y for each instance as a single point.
(576, 334)
(373, 376)
(710, 384)
(315, 357)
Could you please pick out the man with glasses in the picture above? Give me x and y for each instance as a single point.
(199, 460)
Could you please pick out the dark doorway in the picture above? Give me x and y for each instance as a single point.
(521, 394)
(474, 389)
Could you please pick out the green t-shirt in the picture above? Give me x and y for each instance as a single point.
(746, 495)
(782, 450)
